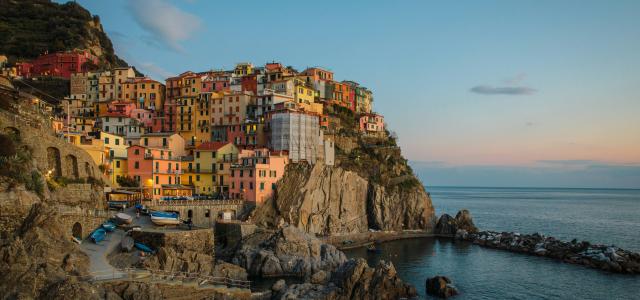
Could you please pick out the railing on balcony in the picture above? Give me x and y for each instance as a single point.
(148, 156)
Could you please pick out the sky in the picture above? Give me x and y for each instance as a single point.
(479, 93)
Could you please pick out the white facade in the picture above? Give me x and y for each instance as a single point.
(296, 132)
(129, 128)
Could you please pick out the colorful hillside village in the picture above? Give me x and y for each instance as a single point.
(218, 134)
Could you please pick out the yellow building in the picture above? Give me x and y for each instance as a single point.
(209, 172)
(145, 93)
(115, 149)
(303, 92)
(243, 69)
(185, 119)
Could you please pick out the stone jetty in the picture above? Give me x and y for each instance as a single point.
(603, 257)
(607, 258)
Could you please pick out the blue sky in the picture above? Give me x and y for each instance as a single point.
(488, 93)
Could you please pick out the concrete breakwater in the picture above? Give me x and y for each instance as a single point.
(603, 257)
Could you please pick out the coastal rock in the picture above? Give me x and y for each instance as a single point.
(465, 222)
(446, 225)
(325, 200)
(288, 251)
(354, 280)
(441, 286)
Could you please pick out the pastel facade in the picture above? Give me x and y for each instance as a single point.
(255, 175)
(371, 123)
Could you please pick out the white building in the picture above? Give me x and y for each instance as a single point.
(296, 132)
(129, 128)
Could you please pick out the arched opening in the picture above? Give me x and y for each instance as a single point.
(71, 166)
(76, 231)
(53, 162)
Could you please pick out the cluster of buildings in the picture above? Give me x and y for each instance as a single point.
(226, 134)
(58, 64)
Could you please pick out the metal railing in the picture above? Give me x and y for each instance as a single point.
(170, 202)
(162, 275)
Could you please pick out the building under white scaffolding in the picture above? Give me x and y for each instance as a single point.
(298, 133)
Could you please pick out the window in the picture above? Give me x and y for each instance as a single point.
(251, 185)
(250, 173)
(241, 185)
(197, 154)
(197, 177)
(136, 151)
(117, 142)
(157, 166)
(164, 142)
(241, 173)
(106, 140)
(233, 173)
(262, 186)
(106, 128)
(207, 213)
(157, 180)
(169, 180)
(146, 141)
(136, 165)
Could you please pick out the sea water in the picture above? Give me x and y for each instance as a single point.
(597, 215)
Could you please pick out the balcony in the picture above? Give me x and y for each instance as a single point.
(148, 156)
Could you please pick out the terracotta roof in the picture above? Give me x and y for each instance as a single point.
(211, 145)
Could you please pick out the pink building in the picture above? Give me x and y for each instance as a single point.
(255, 175)
(142, 115)
(120, 107)
(216, 82)
(371, 123)
(157, 170)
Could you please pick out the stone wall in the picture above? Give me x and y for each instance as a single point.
(197, 240)
(230, 233)
(80, 194)
(82, 222)
(202, 213)
(49, 152)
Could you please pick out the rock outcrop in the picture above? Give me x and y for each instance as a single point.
(607, 258)
(326, 200)
(35, 260)
(441, 286)
(354, 279)
(286, 252)
(461, 224)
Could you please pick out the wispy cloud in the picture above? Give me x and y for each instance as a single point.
(155, 70)
(165, 22)
(504, 90)
(512, 86)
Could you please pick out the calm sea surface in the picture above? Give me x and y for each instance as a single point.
(596, 215)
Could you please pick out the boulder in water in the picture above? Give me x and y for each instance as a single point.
(464, 221)
(446, 225)
(441, 286)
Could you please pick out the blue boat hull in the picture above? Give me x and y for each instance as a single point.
(98, 235)
(143, 247)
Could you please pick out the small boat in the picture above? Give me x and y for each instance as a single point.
(108, 226)
(127, 244)
(123, 218)
(98, 235)
(139, 206)
(143, 247)
(161, 218)
(117, 204)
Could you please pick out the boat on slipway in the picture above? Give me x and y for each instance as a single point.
(98, 235)
(162, 218)
(123, 218)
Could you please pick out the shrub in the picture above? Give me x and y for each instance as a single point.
(126, 181)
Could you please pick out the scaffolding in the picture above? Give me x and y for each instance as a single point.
(297, 133)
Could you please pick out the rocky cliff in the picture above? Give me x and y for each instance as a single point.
(30, 28)
(370, 186)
